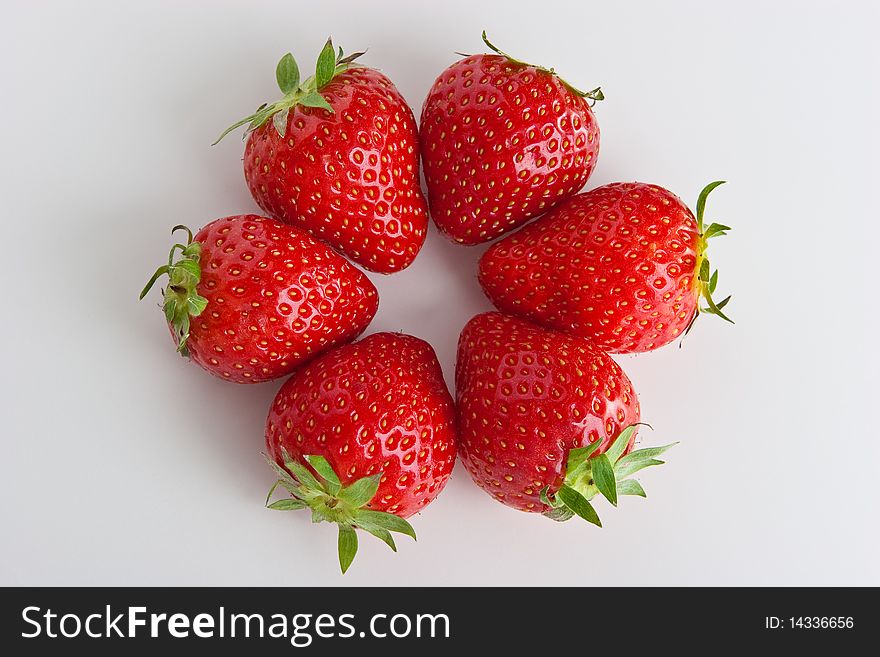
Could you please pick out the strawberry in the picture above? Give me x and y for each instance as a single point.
(338, 156)
(546, 420)
(250, 298)
(364, 436)
(502, 141)
(624, 265)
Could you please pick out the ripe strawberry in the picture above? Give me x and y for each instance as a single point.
(375, 422)
(251, 298)
(502, 141)
(624, 265)
(546, 420)
(338, 156)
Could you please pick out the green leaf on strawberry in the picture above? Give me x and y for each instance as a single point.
(604, 477)
(326, 66)
(330, 501)
(594, 95)
(606, 474)
(578, 504)
(288, 504)
(305, 93)
(706, 283)
(181, 301)
(630, 487)
(361, 491)
(314, 99)
(325, 470)
(618, 447)
(287, 74)
(348, 545)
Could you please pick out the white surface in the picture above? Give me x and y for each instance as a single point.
(125, 465)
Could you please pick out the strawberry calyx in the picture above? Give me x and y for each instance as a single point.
(706, 280)
(330, 501)
(182, 300)
(608, 473)
(594, 95)
(306, 93)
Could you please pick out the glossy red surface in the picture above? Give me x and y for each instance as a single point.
(349, 177)
(502, 143)
(276, 297)
(526, 396)
(378, 405)
(615, 264)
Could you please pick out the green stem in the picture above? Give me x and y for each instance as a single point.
(588, 474)
(305, 93)
(319, 489)
(705, 279)
(593, 95)
(182, 300)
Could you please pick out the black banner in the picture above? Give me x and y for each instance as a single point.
(433, 621)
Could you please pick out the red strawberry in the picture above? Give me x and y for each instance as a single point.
(338, 156)
(502, 141)
(624, 265)
(250, 298)
(546, 420)
(375, 422)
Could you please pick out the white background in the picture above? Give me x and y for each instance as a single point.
(123, 464)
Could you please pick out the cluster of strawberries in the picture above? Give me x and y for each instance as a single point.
(365, 434)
